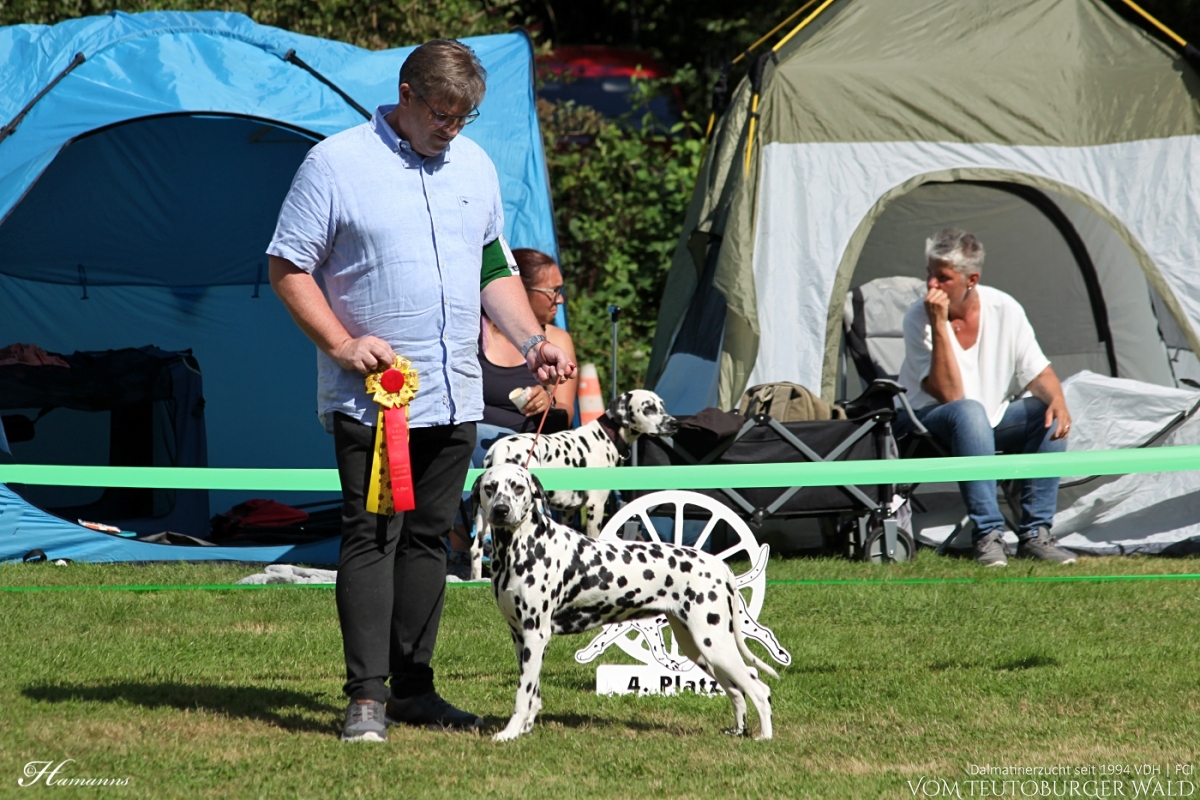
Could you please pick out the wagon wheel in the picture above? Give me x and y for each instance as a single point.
(643, 639)
(874, 547)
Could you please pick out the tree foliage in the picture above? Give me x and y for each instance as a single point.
(620, 195)
(374, 25)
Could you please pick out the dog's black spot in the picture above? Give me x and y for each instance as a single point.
(671, 562)
(714, 619)
(626, 557)
(668, 581)
(685, 566)
(526, 654)
(707, 642)
(648, 575)
(712, 595)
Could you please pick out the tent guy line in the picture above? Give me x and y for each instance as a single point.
(926, 470)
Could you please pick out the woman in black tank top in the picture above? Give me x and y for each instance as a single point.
(503, 367)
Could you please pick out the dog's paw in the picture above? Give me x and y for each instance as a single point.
(505, 735)
(734, 731)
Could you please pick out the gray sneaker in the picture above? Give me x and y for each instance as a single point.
(364, 722)
(429, 710)
(1041, 546)
(989, 549)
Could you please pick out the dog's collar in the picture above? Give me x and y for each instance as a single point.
(614, 435)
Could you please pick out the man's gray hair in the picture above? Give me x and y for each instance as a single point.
(959, 249)
(445, 70)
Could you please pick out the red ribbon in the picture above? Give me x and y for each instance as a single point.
(395, 425)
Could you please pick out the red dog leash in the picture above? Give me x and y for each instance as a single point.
(545, 413)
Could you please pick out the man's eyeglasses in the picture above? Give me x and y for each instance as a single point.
(553, 292)
(449, 120)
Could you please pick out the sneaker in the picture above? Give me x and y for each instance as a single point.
(458, 565)
(364, 722)
(1041, 546)
(989, 549)
(429, 710)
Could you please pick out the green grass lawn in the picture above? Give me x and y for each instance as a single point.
(237, 693)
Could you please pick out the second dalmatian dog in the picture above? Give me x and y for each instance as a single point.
(550, 579)
(603, 442)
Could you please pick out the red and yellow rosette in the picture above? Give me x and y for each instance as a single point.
(391, 488)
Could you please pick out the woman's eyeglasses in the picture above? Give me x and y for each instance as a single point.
(553, 292)
(449, 120)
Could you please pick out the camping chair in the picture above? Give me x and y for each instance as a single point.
(873, 323)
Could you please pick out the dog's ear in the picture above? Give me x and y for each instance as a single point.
(618, 410)
(475, 499)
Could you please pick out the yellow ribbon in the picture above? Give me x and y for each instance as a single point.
(394, 387)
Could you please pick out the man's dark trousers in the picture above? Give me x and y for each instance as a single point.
(392, 572)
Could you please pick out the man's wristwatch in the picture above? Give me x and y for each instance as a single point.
(533, 342)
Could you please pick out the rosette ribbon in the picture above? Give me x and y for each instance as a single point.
(391, 488)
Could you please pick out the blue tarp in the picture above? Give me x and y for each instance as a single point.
(137, 197)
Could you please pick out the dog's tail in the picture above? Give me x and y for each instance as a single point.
(747, 654)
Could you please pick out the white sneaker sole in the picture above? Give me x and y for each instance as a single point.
(369, 736)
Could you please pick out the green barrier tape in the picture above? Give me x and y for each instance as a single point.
(825, 582)
(734, 476)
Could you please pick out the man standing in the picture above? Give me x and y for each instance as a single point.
(388, 242)
(970, 354)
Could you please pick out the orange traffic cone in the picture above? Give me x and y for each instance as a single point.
(591, 401)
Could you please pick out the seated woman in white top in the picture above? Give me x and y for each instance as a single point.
(970, 355)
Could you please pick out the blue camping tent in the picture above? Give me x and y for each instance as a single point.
(141, 172)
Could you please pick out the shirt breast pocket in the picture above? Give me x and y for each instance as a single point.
(475, 217)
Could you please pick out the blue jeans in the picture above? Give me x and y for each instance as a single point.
(486, 436)
(963, 428)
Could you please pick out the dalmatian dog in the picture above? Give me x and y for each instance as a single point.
(603, 442)
(550, 579)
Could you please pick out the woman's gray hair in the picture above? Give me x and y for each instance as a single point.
(959, 249)
(445, 70)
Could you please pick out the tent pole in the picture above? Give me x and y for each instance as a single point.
(803, 25)
(1190, 53)
(292, 58)
(773, 31)
(8, 129)
(1170, 33)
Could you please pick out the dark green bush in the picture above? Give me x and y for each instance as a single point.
(619, 200)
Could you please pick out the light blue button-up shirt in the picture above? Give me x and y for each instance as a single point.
(395, 240)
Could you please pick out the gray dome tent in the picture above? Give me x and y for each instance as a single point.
(1061, 133)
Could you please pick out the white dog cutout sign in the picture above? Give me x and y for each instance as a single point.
(662, 668)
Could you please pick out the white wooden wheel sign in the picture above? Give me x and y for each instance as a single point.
(662, 669)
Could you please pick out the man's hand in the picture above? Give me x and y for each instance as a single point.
(937, 307)
(549, 363)
(366, 354)
(1045, 387)
(1058, 411)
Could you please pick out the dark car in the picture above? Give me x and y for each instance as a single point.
(602, 77)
